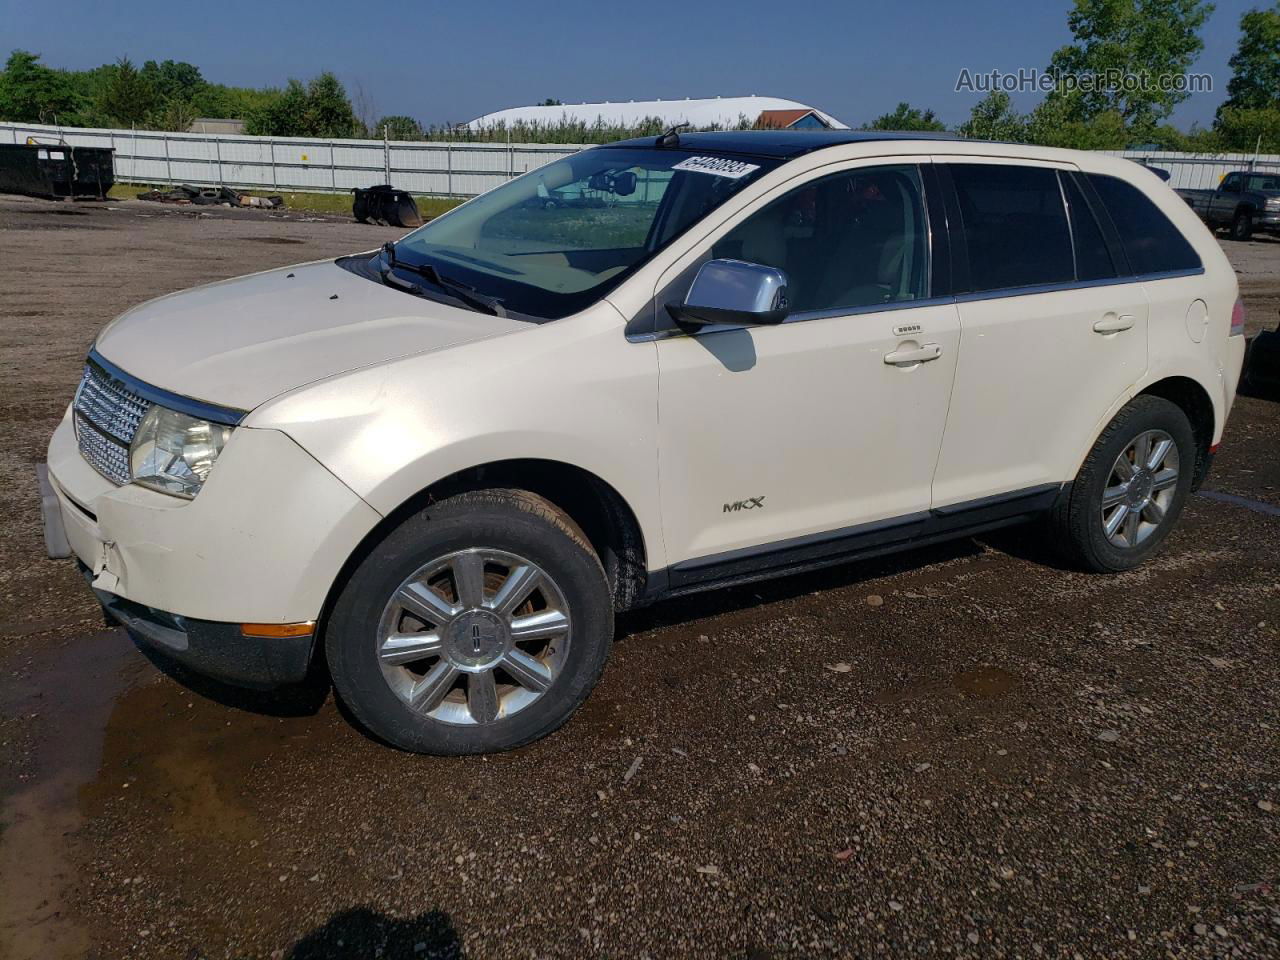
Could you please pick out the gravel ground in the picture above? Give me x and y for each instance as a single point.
(964, 751)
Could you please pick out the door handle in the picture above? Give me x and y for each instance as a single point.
(1113, 324)
(900, 357)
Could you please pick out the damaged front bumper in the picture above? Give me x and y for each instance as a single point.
(262, 544)
(215, 649)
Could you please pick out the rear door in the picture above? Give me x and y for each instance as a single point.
(1050, 340)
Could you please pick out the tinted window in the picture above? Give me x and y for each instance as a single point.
(1015, 225)
(1093, 259)
(854, 239)
(1153, 244)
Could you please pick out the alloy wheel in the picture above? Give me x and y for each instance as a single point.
(1140, 489)
(474, 636)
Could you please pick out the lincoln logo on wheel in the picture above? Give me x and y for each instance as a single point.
(748, 504)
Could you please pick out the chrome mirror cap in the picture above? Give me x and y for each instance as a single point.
(734, 291)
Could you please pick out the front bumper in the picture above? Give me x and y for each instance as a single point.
(1268, 222)
(262, 543)
(214, 649)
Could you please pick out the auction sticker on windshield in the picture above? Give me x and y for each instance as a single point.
(720, 166)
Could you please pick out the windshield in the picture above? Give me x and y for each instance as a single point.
(1269, 181)
(557, 239)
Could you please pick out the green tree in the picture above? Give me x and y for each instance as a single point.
(993, 118)
(1255, 81)
(30, 92)
(398, 127)
(1244, 129)
(126, 97)
(1144, 39)
(329, 112)
(284, 114)
(1053, 124)
(907, 117)
(173, 80)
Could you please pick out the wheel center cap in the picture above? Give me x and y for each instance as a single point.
(476, 638)
(1140, 489)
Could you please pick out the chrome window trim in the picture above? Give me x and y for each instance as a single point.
(675, 333)
(1028, 291)
(200, 409)
(670, 333)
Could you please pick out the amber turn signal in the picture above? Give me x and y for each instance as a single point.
(278, 630)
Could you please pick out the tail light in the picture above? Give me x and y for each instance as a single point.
(1237, 319)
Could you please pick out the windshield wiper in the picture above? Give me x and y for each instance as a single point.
(454, 288)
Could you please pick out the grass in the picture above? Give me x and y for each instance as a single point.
(312, 202)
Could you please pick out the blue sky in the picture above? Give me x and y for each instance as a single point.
(452, 61)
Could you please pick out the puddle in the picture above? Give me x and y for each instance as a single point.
(126, 756)
(73, 693)
(986, 683)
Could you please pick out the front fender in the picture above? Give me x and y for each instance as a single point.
(573, 391)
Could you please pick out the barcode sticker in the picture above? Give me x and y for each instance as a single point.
(719, 166)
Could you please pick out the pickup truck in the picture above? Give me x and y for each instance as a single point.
(1245, 202)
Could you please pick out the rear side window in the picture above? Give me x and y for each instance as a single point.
(1015, 225)
(1152, 242)
(1093, 259)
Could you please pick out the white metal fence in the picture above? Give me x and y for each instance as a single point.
(1200, 171)
(289, 163)
(431, 168)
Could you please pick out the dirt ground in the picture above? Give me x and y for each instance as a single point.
(964, 751)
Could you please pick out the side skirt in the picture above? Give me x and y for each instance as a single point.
(815, 551)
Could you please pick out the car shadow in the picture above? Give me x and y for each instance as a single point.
(294, 700)
(361, 932)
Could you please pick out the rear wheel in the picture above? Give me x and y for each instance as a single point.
(478, 625)
(1131, 488)
(1242, 225)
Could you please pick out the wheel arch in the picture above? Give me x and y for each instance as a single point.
(595, 506)
(1192, 398)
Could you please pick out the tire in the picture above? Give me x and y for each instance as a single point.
(1242, 225)
(1079, 520)
(478, 625)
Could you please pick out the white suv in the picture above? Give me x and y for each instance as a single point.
(651, 368)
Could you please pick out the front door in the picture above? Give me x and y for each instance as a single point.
(827, 427)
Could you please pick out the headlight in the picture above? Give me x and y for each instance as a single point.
(173, 452)
(1273, 203)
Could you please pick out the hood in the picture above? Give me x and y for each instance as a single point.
(241, 342)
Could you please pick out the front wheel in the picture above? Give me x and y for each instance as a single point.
(1131, 488)
(478, 625)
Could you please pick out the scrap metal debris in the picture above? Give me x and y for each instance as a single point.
(386, 205)
(210, 196)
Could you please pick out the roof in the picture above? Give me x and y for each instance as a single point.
(776, 119)
(781, 143)
(714, 111)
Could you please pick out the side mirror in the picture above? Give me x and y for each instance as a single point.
(733, 291)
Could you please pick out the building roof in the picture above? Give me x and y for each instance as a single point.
(781, 119)
(717, 111)
(781, 143)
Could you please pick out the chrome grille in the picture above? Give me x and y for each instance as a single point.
(107, 415)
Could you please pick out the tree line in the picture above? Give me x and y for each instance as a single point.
(1143, 38)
